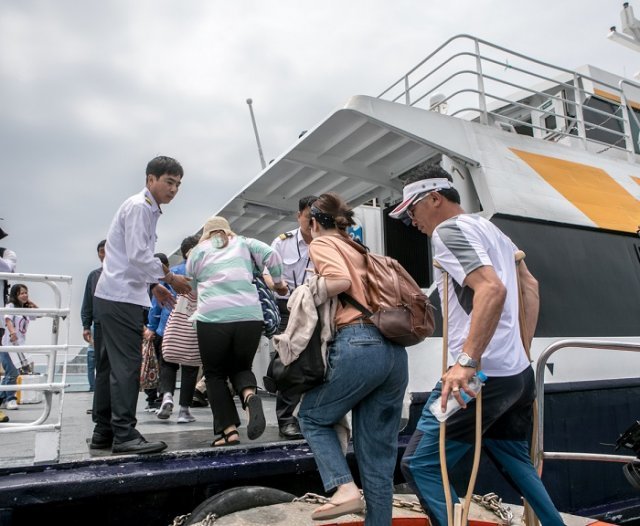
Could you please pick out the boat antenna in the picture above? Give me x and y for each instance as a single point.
(255, 130)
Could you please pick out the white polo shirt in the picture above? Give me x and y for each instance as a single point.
(129, 265)
(295, 258)
(461, 245)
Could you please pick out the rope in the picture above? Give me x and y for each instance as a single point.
(443, 425)
(529, 515)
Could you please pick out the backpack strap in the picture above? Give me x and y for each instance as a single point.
(346, 298)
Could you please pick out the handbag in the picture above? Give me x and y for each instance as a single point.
(180, 341)
(149, 368)
(306, 372)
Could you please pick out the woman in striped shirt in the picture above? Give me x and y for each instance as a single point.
(229, 321)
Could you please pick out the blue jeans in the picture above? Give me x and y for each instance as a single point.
(506, 423)
(368, 375)
(10, 376)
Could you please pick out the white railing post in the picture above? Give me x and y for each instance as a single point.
(577, 91)
(482, 100)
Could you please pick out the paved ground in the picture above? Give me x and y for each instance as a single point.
(17, 449)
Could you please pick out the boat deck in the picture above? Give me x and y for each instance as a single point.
(18, 448)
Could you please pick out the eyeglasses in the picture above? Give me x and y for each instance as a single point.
(413, 206)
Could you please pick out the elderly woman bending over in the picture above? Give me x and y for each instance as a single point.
(229, 322)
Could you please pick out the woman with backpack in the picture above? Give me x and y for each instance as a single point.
(366, 374)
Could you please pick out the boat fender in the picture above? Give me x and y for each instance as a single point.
(238, 499)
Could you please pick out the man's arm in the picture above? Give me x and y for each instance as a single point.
(8, 261)
(530, 302)
(86, 312)
(489, 294)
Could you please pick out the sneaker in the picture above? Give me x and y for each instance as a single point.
(166, 408)
(12, 405)
(3, 417)
(153, 407)
(185, 416)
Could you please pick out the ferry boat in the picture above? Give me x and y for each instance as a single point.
(548, 154)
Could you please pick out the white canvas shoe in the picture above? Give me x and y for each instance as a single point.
(185, 416)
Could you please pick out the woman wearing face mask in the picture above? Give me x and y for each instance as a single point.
(229, 322)
(366, 374)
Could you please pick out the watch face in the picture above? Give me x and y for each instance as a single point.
(463, 359)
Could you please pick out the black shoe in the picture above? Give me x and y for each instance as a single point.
(291, 431)
(138, 445)
(100, 442)
(199, 399)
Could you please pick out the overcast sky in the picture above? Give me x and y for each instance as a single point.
(91, 91)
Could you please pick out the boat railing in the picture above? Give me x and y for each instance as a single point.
(539, 453)
(554, 109)
(47, 434)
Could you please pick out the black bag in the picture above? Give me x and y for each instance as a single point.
(299, 376)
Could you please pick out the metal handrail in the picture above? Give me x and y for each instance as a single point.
(539, 453)
(47, 446)
(622, 140)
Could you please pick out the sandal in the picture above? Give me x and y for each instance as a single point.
(257, 423)
(226, 436)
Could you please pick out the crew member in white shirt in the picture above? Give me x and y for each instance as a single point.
(293, 247)
(122, 294)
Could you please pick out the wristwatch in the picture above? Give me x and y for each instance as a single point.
(466, 361)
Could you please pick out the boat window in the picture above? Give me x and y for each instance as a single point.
(604, 121)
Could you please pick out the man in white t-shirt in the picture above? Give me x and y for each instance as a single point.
(483, 328)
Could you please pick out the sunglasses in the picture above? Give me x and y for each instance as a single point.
(414, 204)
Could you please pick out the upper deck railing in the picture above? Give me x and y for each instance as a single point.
(474, 79)
(48, 433)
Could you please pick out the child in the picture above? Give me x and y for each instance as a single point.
(15, 334)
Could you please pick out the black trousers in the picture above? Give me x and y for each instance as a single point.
(118, 360)
(285, 405)
(227, 351)
(189, 378)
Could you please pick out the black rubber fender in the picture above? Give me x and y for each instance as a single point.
(238, 499)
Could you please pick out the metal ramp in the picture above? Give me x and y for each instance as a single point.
(47, 434)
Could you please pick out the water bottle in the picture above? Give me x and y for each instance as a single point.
(475, 384)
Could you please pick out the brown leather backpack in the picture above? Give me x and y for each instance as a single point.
(399, 308)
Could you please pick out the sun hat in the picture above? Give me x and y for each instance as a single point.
(215, 223)
(413, 191)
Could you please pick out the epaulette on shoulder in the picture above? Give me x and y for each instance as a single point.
(286, 235)
(148, 201)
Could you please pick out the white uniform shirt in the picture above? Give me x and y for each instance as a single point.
(7, 264)
(129, 265)
(461, 245)
(295, 258)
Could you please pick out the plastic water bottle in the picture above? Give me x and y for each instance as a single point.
(475, 384)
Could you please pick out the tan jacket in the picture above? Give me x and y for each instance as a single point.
(305, 303)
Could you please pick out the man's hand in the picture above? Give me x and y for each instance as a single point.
(181, 284)
(453, 381)
(281, 288)
(148, 334)
(164, 297)
(86, 335)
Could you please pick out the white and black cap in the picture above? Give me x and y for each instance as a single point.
(413, 191)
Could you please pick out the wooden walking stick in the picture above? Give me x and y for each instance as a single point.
(529, 515)
(456, 515)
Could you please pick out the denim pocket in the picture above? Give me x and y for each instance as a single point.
(359, 341)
